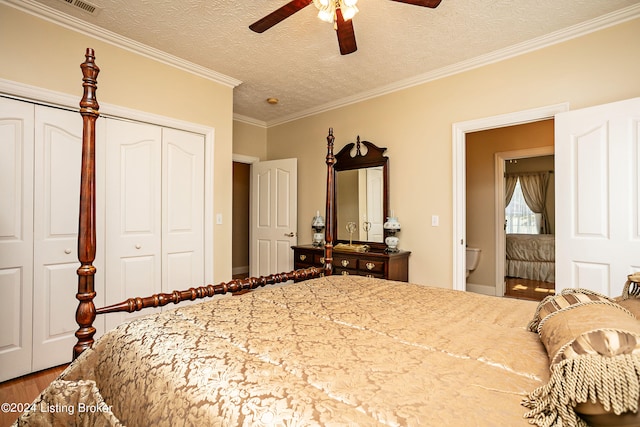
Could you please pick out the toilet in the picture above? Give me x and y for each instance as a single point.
(473, 257)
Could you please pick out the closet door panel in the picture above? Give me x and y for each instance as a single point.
(133, 212)
(16, 237)
(58, 149)
(183, 210)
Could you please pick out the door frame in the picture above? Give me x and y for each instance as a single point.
(459, 131)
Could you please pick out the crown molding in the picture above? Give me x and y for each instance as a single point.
(579, 30)
(67, 21)
(249, 120)
(50, 98)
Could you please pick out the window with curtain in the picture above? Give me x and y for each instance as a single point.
(519, 217)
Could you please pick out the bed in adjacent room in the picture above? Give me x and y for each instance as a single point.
(531, 256)
(341, 350)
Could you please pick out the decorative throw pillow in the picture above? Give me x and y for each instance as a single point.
(631, 304)
(566, 299)
(594, 351)
(630, 298)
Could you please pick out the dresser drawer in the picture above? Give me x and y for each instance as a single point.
(370, 266)
(393, 266)
(308, 259)
(345, 262)
(304, 258)
(346, 272)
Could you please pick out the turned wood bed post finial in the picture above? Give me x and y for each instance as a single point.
(330, 212)
(86, 311)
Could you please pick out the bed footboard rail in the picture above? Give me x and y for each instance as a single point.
(236, 285)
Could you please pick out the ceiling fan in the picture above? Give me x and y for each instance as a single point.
(339, 12)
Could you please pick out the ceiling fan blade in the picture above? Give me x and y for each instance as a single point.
(426, 3)
(279, 15)
(346, 36)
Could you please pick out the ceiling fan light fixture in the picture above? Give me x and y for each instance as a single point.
(327, 9)
(337, 12)
(326, 15)
(349, 12)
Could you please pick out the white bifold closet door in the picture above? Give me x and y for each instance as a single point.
(40, 153)
(149, 217)
(154, 210)
(57, 162)
(16, 237)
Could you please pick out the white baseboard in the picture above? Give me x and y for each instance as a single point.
(481, 289)
(240, 270)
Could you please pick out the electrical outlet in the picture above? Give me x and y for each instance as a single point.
(435, 220)
(219, 218)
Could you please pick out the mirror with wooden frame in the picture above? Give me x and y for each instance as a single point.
(361, 201)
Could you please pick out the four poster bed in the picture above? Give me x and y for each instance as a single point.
(338, 350)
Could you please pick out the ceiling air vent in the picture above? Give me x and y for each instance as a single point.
(83, 6)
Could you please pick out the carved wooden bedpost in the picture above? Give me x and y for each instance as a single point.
(86, 311)
(330, 213)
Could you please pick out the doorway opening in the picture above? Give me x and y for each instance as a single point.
(525, 239)
(460, 132)
(241, 194)
(507, 252)
(240, 226)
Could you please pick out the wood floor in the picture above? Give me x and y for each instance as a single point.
(24, 390)
(527, 289)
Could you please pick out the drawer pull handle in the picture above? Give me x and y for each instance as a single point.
(303, 257)
(67, 251)
(345, 262)
(322, 260)
(370, 266)
(138, 246)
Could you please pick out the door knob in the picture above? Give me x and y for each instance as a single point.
(292, 234)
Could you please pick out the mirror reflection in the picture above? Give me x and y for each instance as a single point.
(359, 204)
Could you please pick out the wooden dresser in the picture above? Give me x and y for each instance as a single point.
(391, 266)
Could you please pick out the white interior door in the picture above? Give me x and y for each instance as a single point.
(133, 213)
(598, 196)
(16, 237)
(183, 210)
(274, 200)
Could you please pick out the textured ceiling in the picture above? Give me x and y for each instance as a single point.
(298, 62)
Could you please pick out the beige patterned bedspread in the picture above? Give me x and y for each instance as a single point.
(332, 351)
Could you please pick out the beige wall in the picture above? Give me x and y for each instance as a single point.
(480, 179)
(416, 126)
(39, 53)
(249, 140)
